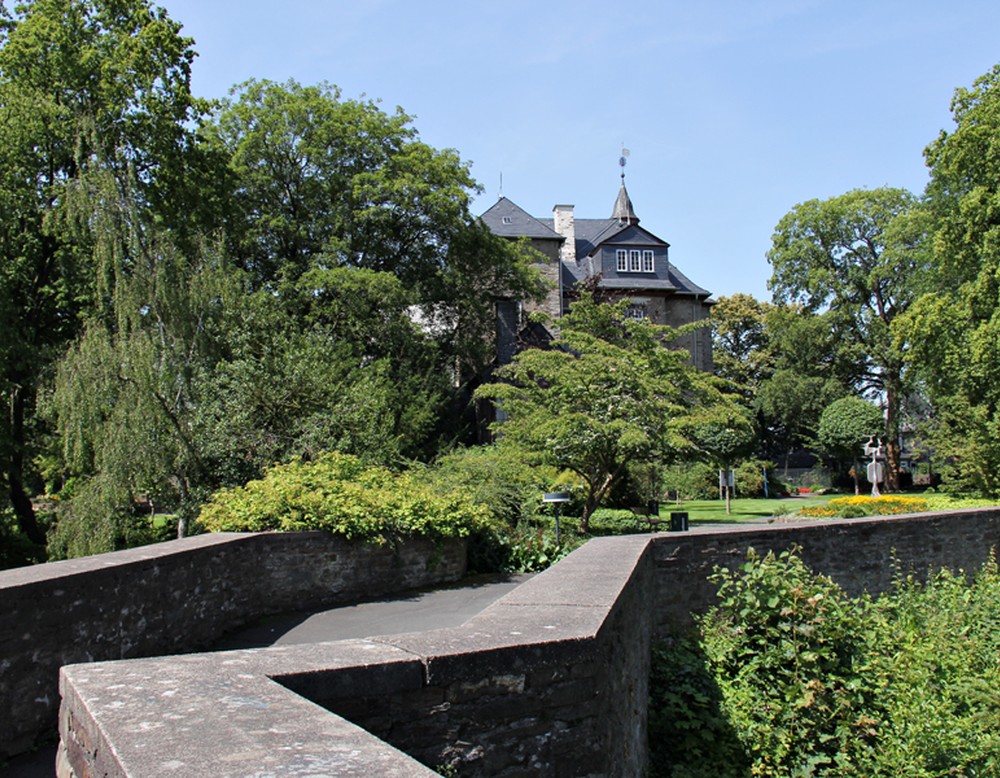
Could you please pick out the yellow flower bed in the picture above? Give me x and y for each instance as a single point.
(850, 507)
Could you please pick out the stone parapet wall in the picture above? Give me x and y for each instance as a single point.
(859, 554)
(177, 597)
(549, 680)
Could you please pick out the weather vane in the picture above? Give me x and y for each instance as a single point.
(622, 160)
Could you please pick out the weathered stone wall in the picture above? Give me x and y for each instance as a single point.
(859, 554)
(176, 597)
(549, 680)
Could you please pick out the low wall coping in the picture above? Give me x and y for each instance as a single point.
(237, 712)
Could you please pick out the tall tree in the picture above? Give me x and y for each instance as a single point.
(856, 257)
(320, 181)
(741, 351)
(607, 396)
(87, 88)
(843, 428)
(956, 323)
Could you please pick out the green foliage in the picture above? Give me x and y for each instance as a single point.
(341, 494)
(859, 257)
(956, 324)
(741, 348)
(616, 521)
(500, 477)
(692, 481)
(89, 90)
(16, 550)
(319, 181)
(814, 683)
(750, 477)
(689, 734)
(845, 426)
(608, 395)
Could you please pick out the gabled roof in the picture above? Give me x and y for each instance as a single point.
(508, 220)
(592, 233)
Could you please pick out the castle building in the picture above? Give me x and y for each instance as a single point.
(620, 257)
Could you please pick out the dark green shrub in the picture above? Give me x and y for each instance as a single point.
(750, 478)
(616, 521)
(692, 481)
(689, 735)
(499, 477)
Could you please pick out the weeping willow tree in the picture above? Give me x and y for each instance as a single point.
(85, 85)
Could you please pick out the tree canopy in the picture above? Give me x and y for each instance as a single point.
(956, 322)
(858, 259)
(609, 395)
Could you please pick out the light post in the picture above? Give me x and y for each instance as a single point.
(876, 451)
(555, 498)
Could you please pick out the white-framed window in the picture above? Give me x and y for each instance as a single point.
(647, 261)
(634, 261)
(622, 257)
(636, 311)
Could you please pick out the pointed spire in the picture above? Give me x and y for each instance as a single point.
(624, 212)
(623, 207)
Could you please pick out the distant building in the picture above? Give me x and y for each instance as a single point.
(625, 260)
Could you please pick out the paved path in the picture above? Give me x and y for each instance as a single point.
(410, 612)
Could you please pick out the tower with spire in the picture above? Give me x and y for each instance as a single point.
(620, 257)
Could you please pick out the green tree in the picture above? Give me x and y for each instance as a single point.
(844, 426)
(320, 181)
(87, 88)
(956, 323)
(741, 349)
(607, 396)
(857, 257)
(725, 435)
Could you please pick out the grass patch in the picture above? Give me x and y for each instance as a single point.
(743, 509)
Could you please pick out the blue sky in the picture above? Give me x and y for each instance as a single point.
(733, 111)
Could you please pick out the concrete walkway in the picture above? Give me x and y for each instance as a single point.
(410, 612)
(450, 606)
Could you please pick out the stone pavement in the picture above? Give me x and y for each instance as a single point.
(448, 606)
(408, 612)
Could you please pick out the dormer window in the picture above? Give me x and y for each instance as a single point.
(507, 220)
(634, 261)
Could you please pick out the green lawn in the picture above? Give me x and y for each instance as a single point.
(745, 509)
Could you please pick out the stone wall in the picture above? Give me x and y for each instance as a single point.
(859, 554)
(549, 680)
(178, 597)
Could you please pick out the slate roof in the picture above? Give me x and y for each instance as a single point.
(508, 220)
(591, 233)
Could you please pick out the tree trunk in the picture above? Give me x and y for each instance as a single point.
(23, 509)
(892, 447)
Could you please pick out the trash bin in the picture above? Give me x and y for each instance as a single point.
(653, 509)
(679, 522)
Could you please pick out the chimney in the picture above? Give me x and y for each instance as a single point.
(562, 217)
